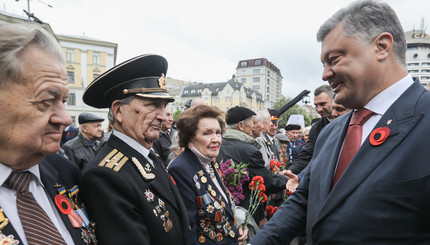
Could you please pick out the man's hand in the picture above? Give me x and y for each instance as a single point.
(293, 181)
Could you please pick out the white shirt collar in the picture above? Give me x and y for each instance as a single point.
(381, 102)
(133, 144)
(5, 172)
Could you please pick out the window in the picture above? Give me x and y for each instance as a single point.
(413, 71)
(71, 100)
(425, 78)
(74, 119)
(255, 71)
(413, 64)
(71, 76)
(425, 71)
(244, 72)
(96, 58)
(243, 80)
(95, 75)
(256, 87)
(258, 62)
(426, 63)
(70, 55)
(256, 79)
(243, 64)
(227, 99)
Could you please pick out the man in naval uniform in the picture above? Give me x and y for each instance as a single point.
(125, 187)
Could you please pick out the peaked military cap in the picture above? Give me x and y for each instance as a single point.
(274, 115)
(86, 117)
(140, 76)
(238, 114)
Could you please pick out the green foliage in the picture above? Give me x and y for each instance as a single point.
(176, 114)
(296, 109)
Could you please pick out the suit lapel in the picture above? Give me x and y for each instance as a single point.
(10, 230)
(50, 178)
(400, 119)
(329, 157)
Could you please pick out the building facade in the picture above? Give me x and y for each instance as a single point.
(418, 55)
(86, 59)
(224, 95)
(262, 76)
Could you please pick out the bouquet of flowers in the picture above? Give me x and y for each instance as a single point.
(257, 196)
(275, 167)
(234, 176)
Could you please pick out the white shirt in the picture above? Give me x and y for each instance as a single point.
(381, 102)
(8, 203)
(134, 144)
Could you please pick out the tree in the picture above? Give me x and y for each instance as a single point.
(176, 114)
(295, 109)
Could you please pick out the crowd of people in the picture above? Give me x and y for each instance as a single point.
(355, 176)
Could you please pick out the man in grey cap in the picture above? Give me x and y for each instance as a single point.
(82, 148)
(126, 188)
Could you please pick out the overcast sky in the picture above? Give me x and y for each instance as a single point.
(204, 40)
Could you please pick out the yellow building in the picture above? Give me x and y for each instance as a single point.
(86, 59)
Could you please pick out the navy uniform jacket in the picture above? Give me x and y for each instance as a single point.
(130, 201)
(211, 216)
(55, 170)
(294, 149)
(383, 197)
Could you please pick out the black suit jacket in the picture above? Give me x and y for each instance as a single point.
(55, 170)
(383, 195)
(305, 155)
(130, 207)
(186, 170)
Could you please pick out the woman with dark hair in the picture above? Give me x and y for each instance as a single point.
(209, 204)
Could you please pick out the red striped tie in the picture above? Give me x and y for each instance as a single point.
(352, 140)
(38, 228)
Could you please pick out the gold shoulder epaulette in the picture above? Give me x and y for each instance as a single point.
(114, 160)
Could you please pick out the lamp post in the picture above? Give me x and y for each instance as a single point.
(31, 15)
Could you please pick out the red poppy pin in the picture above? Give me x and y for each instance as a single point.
(379, 135)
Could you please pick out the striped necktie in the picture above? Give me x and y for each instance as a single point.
(38, 228)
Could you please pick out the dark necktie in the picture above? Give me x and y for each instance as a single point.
(38, 228)
(154, 158)
(352, 140)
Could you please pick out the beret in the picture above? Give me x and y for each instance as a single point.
(86, 117)
(282, 137)
(140, 76)
(237, 114)
(293, 127)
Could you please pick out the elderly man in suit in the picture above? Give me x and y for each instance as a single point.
(126, 188)
(368, 181)
(38, 188)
